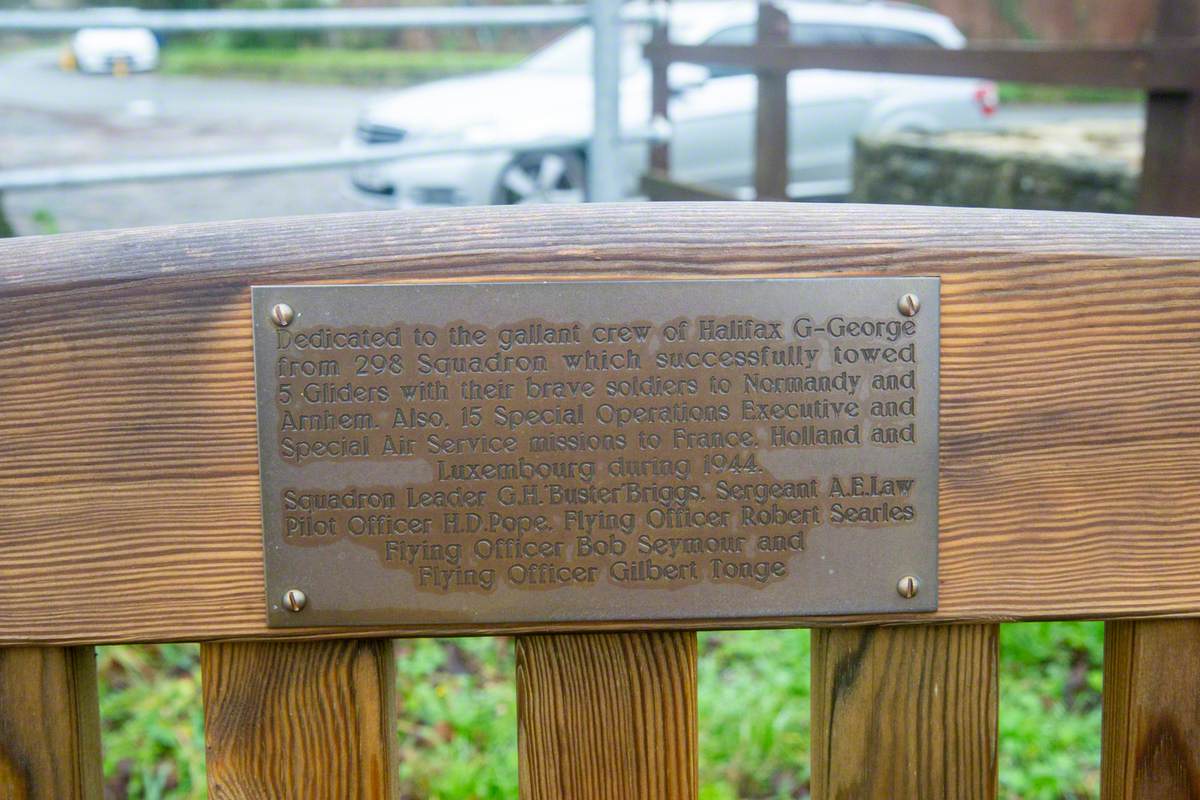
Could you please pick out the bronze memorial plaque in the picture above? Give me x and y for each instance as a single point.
(585, 451)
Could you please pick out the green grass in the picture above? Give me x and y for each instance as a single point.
(373, 66)
(1055, 95)
(1050, 680)
(458, 716)
(754, 734)
(152, 721)
(458, 719)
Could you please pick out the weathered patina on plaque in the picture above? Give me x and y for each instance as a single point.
(584, 451)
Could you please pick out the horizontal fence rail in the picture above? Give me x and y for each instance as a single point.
(1165, 66)
(1069, 348)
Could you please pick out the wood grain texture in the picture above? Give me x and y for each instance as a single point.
(907, 713)
(300, 719)
(49, 724)
(607, 716)
(1070, 431)
(1151, 748)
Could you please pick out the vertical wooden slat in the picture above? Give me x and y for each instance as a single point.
(771, 112)
(300, 719)
(660, 95)
(607, 716)
(1171, 163)
(49, 724)
(1151, 745)
(906, 713)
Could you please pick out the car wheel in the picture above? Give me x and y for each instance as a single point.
(546, 177)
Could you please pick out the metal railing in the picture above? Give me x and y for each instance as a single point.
(264, 163)
(603, 163)
(297, 19)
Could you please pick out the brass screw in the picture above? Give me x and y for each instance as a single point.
(909, 304)
(908, 586)
(282, 314)
(294, 600)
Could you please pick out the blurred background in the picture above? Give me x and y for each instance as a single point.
(318, 118)
(116, 95)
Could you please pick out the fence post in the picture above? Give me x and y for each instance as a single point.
(49, 724)
(300, 719)
(604, 156)
(907, 713)
(609, 716)
(1151, 743)
(660, 88)
(771, 111)
(1171, 159)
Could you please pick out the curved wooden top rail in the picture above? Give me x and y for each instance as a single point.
(1070, 408)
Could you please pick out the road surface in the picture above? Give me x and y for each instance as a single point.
(48, 116)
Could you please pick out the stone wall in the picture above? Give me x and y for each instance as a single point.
(1070, 167)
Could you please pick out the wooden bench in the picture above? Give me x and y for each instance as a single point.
(1069, 483)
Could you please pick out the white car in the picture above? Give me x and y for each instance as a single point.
(114, 50)
(549, 97)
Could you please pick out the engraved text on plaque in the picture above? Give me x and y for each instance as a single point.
(575, 451)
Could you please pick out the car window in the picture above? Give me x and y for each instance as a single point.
(737, 35)
(891, 36)
(801, 33)
(818, 34)
(810, 33)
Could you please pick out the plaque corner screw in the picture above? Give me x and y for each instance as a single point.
(908, 586)
(294, 600)
(282, 314)
(909, 304)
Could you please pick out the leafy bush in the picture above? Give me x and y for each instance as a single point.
(268, 39)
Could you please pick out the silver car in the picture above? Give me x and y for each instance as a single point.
(549, 97)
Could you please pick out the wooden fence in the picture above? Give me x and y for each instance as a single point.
(1168, 69)
(1069, 482)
